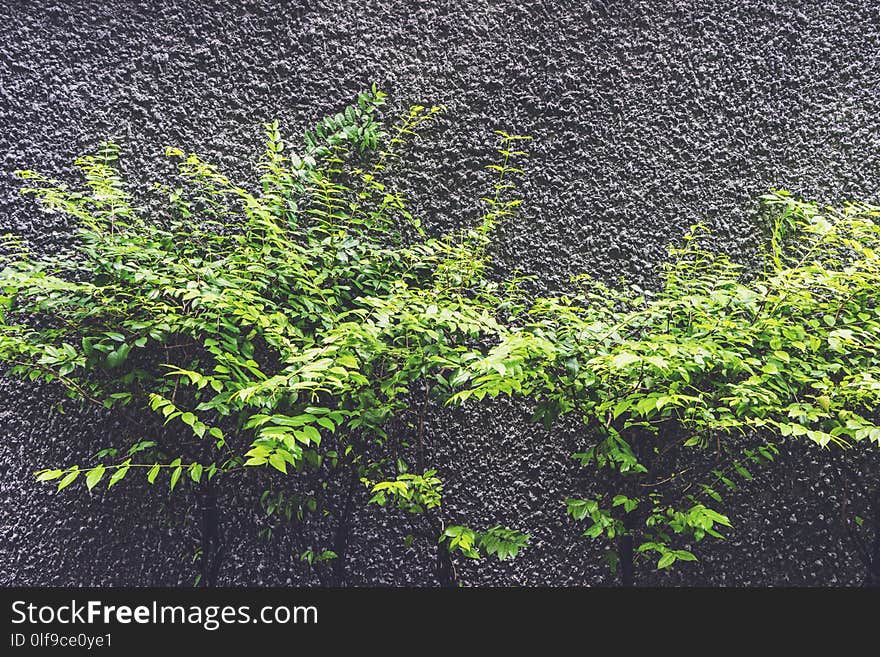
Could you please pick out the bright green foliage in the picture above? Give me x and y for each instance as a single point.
(499, 541)
(279, 330)
(502, 542)
(683, 388)
(311, 557)
(421, 493)
(413, 493)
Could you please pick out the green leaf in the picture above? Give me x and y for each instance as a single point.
(69, 478)
(326, 423)
(313, 434)
(621, 407)
(302, 436)
(684, 555)
(277, 461)
(348, 361)
(94, 476)
(782, 356)
(175, 475)
(621, 361)
(666, 560)
(195, 472)
(743, 472)
(717, 517)
(119, 474)
(118, 356)
(595, 531)
(49, 475)
(153, 473)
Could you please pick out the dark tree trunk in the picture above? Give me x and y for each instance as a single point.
(445, 571)
(211, 539)
(626, 563)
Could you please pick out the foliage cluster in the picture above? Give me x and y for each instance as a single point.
(282, 330)
(717, 362)
(282, 333)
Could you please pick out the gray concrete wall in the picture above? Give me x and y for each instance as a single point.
(647, 117)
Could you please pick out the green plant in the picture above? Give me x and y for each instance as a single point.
(683, 389)
(274, 339)
(277, 332)
(420, 494)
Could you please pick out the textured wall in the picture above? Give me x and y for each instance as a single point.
(647, 117)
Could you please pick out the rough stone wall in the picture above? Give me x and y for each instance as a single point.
(647, 116)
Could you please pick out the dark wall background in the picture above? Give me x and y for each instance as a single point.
(647, 117)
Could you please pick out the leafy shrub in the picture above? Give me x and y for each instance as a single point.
(282, 333)
(277, 332)
(683, 389)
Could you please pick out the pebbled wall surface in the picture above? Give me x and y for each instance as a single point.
(647, 116)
